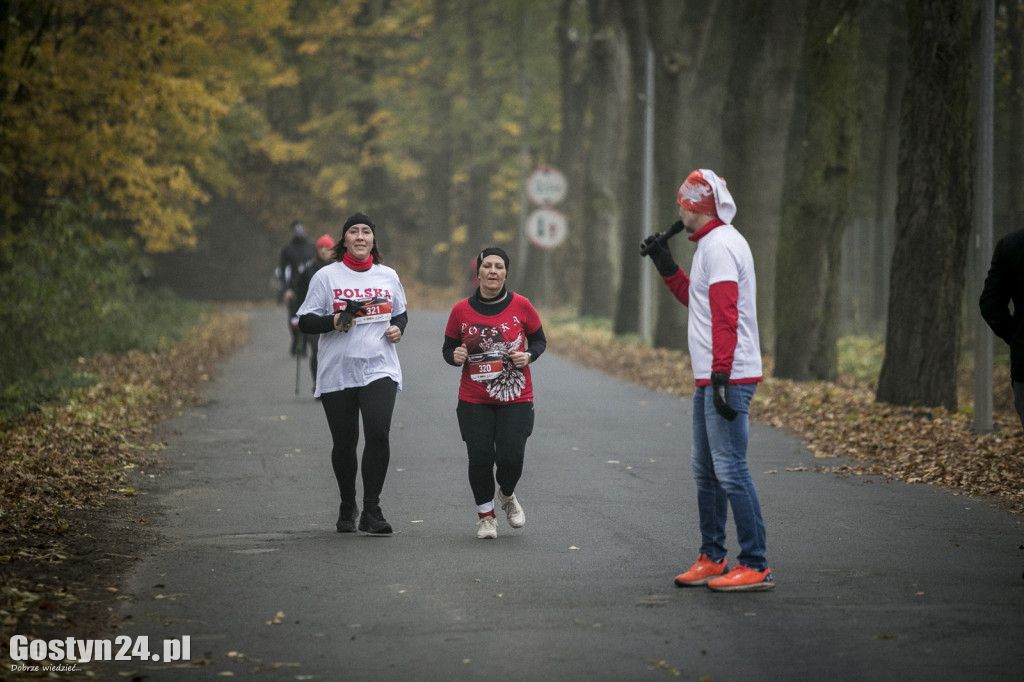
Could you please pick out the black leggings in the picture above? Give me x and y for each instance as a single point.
(313, 344)
(376, 403)
(495, 437)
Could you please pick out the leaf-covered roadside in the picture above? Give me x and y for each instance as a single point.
(61, 464)
(841, 420)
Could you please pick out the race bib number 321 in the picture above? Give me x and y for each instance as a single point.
(375, 311)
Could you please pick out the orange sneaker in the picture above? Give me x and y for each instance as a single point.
(701, 572)
(743, 578)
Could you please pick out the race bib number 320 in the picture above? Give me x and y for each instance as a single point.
(485, 366)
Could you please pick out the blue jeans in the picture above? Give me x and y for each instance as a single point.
(723, 480)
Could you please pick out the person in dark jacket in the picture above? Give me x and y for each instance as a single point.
(300, 287)
(1005, 285)
(294, 256)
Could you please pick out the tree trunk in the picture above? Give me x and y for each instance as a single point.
(1015, 137)
(683, 39)
(375, 190)
(933, 213)
(573, 60)
(816, 198)
(434, 266)
(669, 316)
(756, 123)
(478, 145)
(886, 174)
(632, 267)
(609, 78)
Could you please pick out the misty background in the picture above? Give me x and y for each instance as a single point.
(192, 135)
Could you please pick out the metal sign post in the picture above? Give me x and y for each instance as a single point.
(545, 227)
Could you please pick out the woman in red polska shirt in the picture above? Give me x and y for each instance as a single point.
(494, 335)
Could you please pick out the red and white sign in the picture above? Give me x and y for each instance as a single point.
(545, 228)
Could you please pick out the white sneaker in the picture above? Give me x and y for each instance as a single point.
(513, 510)
(487, 528)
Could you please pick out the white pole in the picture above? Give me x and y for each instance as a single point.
(646, 288)
(983, 218)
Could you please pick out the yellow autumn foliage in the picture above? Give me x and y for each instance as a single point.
(122, 101)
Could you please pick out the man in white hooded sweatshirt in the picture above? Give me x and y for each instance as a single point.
(721, 295)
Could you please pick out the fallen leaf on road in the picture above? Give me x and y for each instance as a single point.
(278, 619)
(665, 666)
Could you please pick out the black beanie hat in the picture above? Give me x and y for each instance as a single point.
(359, 219)
(492, 251)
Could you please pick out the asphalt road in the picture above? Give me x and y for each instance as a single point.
(875, 580)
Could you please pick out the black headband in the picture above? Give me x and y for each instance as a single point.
(359, 219)
(492, 251)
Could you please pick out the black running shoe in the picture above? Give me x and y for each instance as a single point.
(372, 522)
(348, 512)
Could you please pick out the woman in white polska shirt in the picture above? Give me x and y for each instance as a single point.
(358, 373)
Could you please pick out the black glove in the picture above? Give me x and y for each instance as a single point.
(655, 247)
(351, 310)
(720, 392)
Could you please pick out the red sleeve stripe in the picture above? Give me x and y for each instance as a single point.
(724, 319)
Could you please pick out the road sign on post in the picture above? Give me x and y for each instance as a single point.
(545, 228)
(546, 186)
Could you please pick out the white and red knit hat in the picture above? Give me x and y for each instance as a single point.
(705, 193)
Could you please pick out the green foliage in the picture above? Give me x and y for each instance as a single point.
(860, 357)
(43, 388)
(70, 294)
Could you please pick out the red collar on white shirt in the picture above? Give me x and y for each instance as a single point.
(708, 226)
